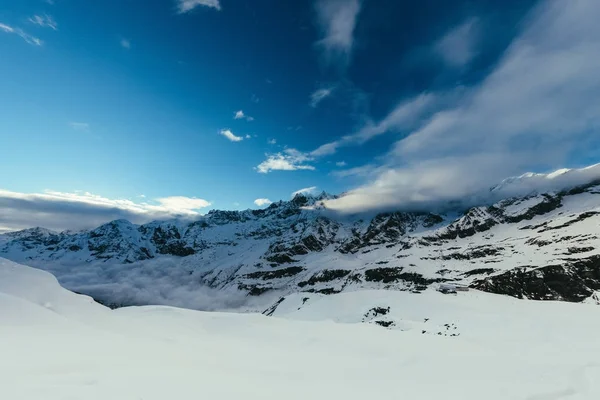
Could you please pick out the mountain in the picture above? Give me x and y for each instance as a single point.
(539, 246)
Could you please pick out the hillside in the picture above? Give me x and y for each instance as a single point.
(58, 345)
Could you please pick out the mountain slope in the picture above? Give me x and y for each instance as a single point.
(57, 345)
(539, 246)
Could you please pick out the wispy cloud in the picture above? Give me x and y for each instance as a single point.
(340, 164)
(533, 110)
(404, 116)
(319, 95)
(458, 47)
(231, 136)
(82, 210)
(125, 43)
(21, 33)
(337, 19)
(184, 6)
(304, 191)
(288, 160)
(80, 126)
(262, 202)
(45, 21)
(240, 115)
(272, 141)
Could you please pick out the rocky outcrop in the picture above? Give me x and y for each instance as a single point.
(576, 280)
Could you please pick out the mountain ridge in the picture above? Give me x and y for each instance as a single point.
(540, 246)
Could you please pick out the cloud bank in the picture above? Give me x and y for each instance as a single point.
(75, 211)
(532, 111)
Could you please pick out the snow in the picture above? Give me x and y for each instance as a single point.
(534, 183)
(58, 345)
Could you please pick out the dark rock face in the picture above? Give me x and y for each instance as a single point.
(280, 273)
(474, 221)
(389, 228)
(549, 203)
(254, 290)
(325, 276)
(574, 281)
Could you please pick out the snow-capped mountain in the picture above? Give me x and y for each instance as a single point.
(538, 246)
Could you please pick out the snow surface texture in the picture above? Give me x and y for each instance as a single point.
(540, 246)
(58, 345)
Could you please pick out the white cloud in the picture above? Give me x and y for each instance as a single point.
(184, 6)
(304, 191)
(364, 171)
(230, 135)
(531, 112)
(58, 210)
(337, 19)
(80, 126)
(126, 44)
(248, 137)
(45, 21)
(404, 116)
(240, 115)
(340, 164)
(262, 202)
(457, 47)
(289, 160)
(6, 28)
(319, 95)
(181, 204)
(21, 33)
(272, 141)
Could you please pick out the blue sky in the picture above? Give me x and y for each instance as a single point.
(131, 105)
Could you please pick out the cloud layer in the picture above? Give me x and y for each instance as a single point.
(59, 211)
(532, 111)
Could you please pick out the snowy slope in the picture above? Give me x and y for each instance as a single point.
(538, 246)
(57, 345)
